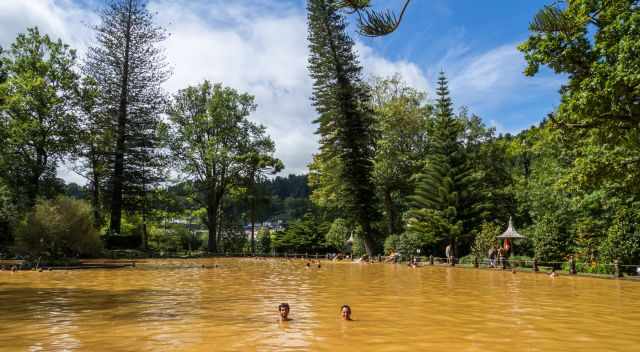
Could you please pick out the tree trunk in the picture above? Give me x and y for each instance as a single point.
(212, 226)
(369, 243)
(118, 168)
(95, 200)
(252, 216)
(391, 216)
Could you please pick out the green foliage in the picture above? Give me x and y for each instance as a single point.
(39, 126)
(128, 65)
(216, 146)
(59, 228)
(263, 244)
(345, 119)
(410, 242)
(7, 214)
(597, 44)
(338, 234)
(374, 23)
(485, 239)
(400, 146)
(551, 242)
(302, 236)
(623, 238)
(391, 244)
(448, 202)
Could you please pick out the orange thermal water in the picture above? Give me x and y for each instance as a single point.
(176, 305)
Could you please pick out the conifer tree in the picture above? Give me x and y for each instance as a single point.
(129, 67)
(345, 121)
(446, 202)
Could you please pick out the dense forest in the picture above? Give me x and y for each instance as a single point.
(397, 168)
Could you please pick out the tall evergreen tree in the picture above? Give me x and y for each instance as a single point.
(446, 201)
(94, 144)
(345, 121)
(129, 67)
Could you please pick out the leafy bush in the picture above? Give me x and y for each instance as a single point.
(59, 228)
(391, 244)
(338, 235)
(550, 241)
(304, 235)
(485, 239)
(409, 243)
(623, 238)
(263, 244)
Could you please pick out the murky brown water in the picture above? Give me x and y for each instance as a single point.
(174, 305)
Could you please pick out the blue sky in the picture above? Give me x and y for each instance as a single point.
(259, 46)
(451, 35)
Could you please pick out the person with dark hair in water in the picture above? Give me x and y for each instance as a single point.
(283, 309)
(345, 312)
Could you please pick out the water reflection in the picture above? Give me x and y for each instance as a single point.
(232, 305)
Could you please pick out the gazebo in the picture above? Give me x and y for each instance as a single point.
(509, 235)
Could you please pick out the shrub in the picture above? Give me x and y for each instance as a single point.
(337, 235)
(62, 227)
(623, 238)
(391, 244)
(485, 239)
(409, 243)
(550, 241)
(263, 244)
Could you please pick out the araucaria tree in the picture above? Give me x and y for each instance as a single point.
(129, 67)
(37, 113)
(216, 146)
(345, 121)
(446, 198)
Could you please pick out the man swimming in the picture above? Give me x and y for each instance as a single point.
(345, 312)
(283, 309)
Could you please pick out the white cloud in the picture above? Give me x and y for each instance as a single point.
(257, 46)
(489, 79)
(58, 18)
(376, 65)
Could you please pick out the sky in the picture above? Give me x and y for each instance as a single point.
(260, 47)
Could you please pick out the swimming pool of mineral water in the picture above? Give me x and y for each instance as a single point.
(177, 305)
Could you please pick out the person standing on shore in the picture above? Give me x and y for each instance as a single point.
(447, 253)
(492, 257)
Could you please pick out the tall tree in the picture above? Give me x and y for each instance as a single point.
(342, 100)
(446, 200)
(402, 118)
(597, 45)
(94, 143)
(261, 163)
(37, 111)
(129, 66)
(215, 144)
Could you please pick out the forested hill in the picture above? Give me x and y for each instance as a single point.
(292, 186)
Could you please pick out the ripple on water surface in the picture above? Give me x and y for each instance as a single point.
(230, 304)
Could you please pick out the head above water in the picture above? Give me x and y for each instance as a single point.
(283, 309)
(345, 312)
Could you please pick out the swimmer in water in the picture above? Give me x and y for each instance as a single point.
(345, 312)
(553, 273)
(283, 309)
